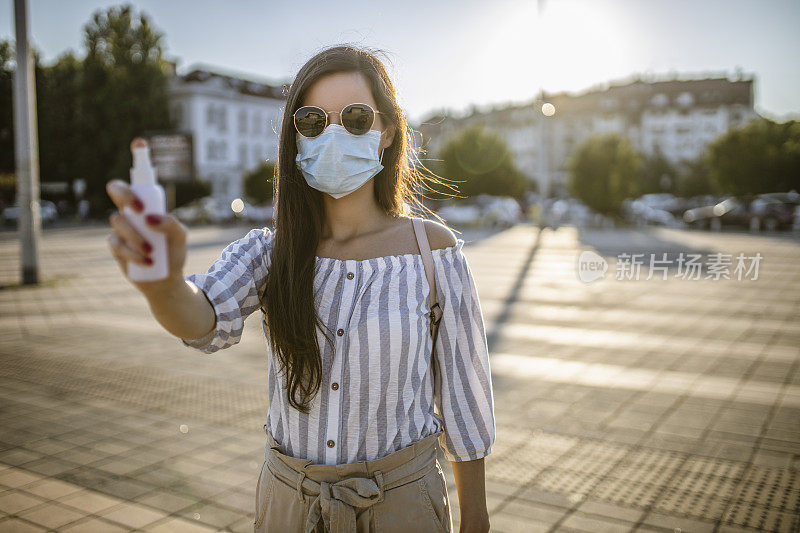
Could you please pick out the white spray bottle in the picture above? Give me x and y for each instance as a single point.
(145, 187)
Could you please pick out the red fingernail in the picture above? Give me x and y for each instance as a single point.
(138, 205)
(147, 247)
(153, 219)
(148, 260)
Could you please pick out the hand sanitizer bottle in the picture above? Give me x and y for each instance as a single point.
(145, 187)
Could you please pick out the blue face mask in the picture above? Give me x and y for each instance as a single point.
(338, 162)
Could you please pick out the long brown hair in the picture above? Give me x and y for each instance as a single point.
(288, 299)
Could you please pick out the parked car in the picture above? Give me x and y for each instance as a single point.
(48, 213)
(204, 210)
(257, 214)
(663, 202)
(770, 212)
(460, 214)
(728, 212)
(654, 210)
(500, 211)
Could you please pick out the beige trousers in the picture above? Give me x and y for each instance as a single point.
(404, 491)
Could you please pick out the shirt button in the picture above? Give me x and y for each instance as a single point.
(335, 386)
(349, 275)
(340, 332)
(331, 444)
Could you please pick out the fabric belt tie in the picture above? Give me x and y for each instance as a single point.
(335, 503)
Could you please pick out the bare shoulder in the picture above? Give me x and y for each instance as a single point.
(439, 235)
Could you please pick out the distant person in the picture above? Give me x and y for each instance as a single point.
(83, 209)
(355, 414)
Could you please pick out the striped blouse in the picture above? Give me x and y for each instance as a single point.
(376, 394)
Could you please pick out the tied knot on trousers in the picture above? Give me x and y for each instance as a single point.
(336, 501)
(300, 496)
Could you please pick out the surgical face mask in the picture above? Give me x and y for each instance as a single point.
(338, 162)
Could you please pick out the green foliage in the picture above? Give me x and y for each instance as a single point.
(761, 156)
(124, 93)
(6, 111)
(186, 191)
(695, 179)
(603, 171)
(483, 160)
(258, 183)
(655, 168)
(90, 109)
(58, 108)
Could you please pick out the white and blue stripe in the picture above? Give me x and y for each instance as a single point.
(381, 363)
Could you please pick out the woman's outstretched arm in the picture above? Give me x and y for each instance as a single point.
(177, 304)
(182, 309)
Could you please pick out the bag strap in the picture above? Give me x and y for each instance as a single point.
(433, 299)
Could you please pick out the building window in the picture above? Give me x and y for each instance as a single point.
(660, 100)
(685, 99)
(211, 152)
(217, 115)
(242, 121)
(257, 123)
(223, 150)
(210, 115)
(223, 118)
(243, 155)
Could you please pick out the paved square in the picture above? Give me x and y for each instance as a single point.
(621, 404)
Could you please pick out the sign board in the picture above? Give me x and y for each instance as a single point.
(171, 154)
(54, 187)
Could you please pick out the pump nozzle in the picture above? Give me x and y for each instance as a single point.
(142, 172)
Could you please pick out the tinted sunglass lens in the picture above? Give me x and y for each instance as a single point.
(357, 119)
(309, 121)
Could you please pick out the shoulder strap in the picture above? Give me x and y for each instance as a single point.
(427, 261)
(433, 299)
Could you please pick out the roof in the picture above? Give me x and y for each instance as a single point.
(623, 97)
(241, 85)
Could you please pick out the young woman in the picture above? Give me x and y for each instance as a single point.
(354, 420)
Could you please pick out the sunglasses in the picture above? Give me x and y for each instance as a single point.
(310, 121)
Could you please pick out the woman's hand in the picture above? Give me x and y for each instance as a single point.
(127, 244)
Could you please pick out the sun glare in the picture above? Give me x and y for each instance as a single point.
(569, 45)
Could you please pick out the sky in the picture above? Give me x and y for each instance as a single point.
(451, 54)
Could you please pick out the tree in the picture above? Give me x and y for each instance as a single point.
(483, 159)
(59, 112)
(258, 183)
(7, 56)
(603, 171)
(658, 174)
(7, 148)
(124, 94)
(761, 156)
(187, 191)
(695, 179)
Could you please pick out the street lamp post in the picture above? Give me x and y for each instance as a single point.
(548, 110)
(26, 147)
